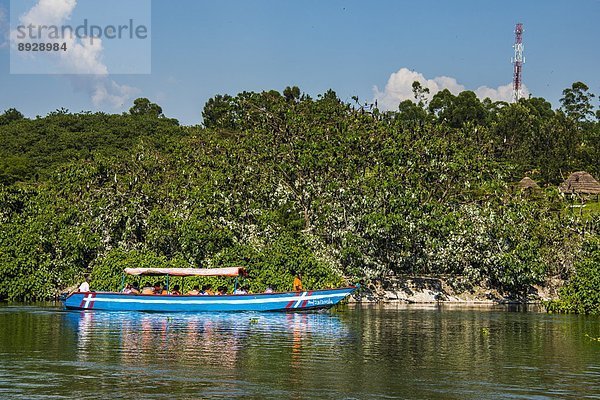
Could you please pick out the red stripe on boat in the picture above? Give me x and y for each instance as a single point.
(291, 303)
(306, 301)
(88, 301)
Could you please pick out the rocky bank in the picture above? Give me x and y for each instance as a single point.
(447, 290)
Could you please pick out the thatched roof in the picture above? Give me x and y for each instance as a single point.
(527, 183)
(580, 183)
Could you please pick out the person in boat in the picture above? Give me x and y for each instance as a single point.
(135, 288)
(127, 289)
(164, 290)
(297, 285)
(195, 291)
(85, 286)
(157, 288)
(269, 289)
(175, 291)
(207, 290)
(221, 291)
(147, 289)
(241, 290)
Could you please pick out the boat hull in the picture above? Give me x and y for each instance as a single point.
(289, 301)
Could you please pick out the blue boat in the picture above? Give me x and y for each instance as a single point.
(285, 301)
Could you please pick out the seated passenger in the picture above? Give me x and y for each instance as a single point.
(195, 291)
(135, 288)
(147, 289)
(269, 289)
(164, 290)
(240, 290)
(207, 290)
(157, 288)
(221, 291)
(175, 291)
(127, 289)
(85, 286)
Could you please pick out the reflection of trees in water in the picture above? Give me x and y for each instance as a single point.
(287, 342)
(405, 352)
(478, 344)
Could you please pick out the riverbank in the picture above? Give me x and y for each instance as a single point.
(448, 290)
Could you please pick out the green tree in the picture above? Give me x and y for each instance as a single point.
(220, 112)
(10, 115)
(411, 114)
(291, 94)
(580, 295)
(420, 93)
(144, 107)
(456, 111)
(577, 102)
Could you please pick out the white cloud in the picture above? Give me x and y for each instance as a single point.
(501, 93)
(103, 91)
(109, 92)
(399, 88)
(83, 57)
(49, 12)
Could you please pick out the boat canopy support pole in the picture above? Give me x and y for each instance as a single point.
(122, 282)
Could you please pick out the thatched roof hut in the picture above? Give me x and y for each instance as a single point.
(527, 183)
(580, 183)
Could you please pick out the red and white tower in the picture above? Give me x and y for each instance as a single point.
(518, 60)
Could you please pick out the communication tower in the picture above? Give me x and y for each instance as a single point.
(518, 60)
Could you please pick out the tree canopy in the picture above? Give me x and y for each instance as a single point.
(145, 107)
(283, 181)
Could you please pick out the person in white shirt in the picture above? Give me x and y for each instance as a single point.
(85, 286)
(240, 291)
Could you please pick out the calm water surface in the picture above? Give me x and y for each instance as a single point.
(354, 353)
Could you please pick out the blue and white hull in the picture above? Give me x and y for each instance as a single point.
(288, 301)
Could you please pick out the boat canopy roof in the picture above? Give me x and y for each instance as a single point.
(229, 271)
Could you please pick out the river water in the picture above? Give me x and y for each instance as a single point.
(355, 352)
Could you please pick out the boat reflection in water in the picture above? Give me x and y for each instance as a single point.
(207, 340)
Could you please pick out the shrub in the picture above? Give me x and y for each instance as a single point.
(581, 294)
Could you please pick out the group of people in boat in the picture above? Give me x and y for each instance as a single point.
(207, 290)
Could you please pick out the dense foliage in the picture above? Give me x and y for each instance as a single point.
(281, 181)
(580, 294)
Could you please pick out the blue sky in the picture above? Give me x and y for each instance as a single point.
(202, 48)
